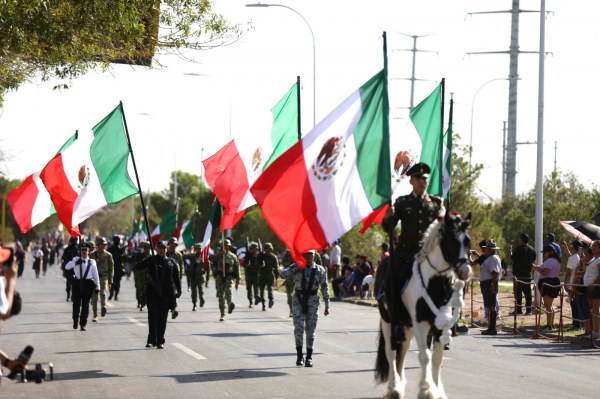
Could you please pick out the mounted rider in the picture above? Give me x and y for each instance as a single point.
(415, 211)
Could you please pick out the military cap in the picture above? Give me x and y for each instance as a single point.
(86, 245)
(227, 242)
(172, 240)
(145, 244)
(198, 246)
(161, 244)
(253, 245)
(268, 245)
(491, 244)
(420, 168)
(92, 244)
(310, 251)
(116, 238)
(101, 240)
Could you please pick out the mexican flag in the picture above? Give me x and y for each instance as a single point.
(166, 228)
(30, 203)
(213, 220)
(188, 229)
(234, 168)
(90, 172)
(332, 178)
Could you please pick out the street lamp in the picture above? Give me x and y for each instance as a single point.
(262, 5)
(472, 107)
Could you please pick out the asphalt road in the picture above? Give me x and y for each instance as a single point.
(252, 354)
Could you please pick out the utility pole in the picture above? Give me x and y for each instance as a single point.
(503, 158)
(413, 78)
(555, 153)
(513, 77)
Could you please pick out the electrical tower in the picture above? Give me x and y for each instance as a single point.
(513, 77)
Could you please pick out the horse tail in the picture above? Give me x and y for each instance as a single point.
(382, 367)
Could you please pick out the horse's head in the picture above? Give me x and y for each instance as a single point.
(455, 243)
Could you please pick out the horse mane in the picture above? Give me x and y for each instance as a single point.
(430, 240)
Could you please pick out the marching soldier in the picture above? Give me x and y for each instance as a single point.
(268, 275)
(118, 255)
(306, 302)
(178, 258)
(288, 282)
(253, 262)
(140, 276)
(162, 288)
(197, 270)
(69, 253)
(106, 267)
(226, 269)
(85, 282)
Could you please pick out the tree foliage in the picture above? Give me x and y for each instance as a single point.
(65, 38)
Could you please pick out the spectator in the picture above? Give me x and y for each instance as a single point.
(335, 259)
(339, 280)
(346, 287)
(580, 293)
(489, 275)
(550, 241)
(549, 283)
(591, 278)
(361, 270)
(523, 258)
(573, 252)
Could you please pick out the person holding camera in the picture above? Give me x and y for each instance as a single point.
(163, 286)
(85, 282)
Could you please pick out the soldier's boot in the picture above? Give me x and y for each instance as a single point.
(257, 300)
(263, 305)
(309, 362)
(194, 308)
(300, 358)
(231, 307)
(222, 315)
(201, 302)
(110, 296)
(250, 306)
(116, 297)
(271, 303)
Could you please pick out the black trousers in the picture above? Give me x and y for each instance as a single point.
(82, 294)
(523, 288)
(158, 312)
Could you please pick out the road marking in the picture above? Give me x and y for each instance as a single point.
(135, 321)
(187, 350)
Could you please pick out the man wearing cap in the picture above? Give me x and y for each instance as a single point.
(85, 282)
(226, 269)
(253, 262)
(523, 257)
(71, 251)
(106, 267)
(174, 254)
(197, 269)
(415, 212)
(162, 289)
(118, 254)
(305, 307)
(489, 274)
(140, 276)
(268, 275)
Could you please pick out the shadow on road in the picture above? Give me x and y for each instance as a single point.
(224, 375)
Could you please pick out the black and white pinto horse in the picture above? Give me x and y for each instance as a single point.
(433, 298)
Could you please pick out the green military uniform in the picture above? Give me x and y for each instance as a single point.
(178, 258)
(225, 275)
(140, 276)
(195, 266)
(268, 275)
(288, 282)
(106, 269)
(253, 262)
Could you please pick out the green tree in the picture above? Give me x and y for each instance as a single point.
(66, 38)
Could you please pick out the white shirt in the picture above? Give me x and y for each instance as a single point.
(335, 258)
(572, 264)
(3, 298)
(591, 272)
(80, 269)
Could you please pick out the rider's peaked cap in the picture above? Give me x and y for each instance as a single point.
(420, 168)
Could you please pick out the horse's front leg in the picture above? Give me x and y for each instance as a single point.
(427, 388)
(396, 382)
(401, 356)
(436, 368)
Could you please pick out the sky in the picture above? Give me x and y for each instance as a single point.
(183, 111)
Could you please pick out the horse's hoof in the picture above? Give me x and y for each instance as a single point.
(392, 395)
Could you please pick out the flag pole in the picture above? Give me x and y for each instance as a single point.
(137, 178)
(441, 146)
(299, 108)
(449, 131)
(222, 245)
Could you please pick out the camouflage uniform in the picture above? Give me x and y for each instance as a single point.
(253, 262)
(305, 290)
(106, 268)
(195, 266)
(288, 282)
(268, 274)
(224, 279)
(140, 276)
